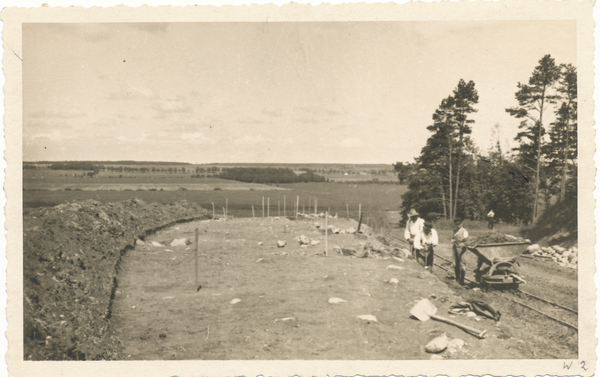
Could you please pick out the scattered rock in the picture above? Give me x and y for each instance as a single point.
(351, 230)
(399, 259)
(455, 345)
(394, 267)
(235, 301)
(367, 317)
(336, 300)
(393, 281)
(259, 260)
(156, 244)
(139, 242)
(280, 243)
(260, 243)
(436, 357)
(438, 344)
(314, 242)
(178, 242)
(348, 252)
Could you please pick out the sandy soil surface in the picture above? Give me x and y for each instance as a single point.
(260, 301)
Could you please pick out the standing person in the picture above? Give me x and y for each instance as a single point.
(414, 226)
(459, 247)
(490, 217)
(424, 243)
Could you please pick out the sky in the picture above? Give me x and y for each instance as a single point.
(329, 92)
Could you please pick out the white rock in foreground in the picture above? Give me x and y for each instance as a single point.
(438, 344)
(156, 244)
(178, 242)
(367, 317)
(280, 243)
(235, 301)
(393, 267)
(336, 300)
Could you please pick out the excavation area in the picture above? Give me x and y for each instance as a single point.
(279, 288)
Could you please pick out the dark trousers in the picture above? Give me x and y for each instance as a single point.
(458, 249)
(490, 222)
(428, 256)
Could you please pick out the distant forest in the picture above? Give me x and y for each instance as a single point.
(270, 175)
(121, 162)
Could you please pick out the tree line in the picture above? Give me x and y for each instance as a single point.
(269, 175)
(452, 178)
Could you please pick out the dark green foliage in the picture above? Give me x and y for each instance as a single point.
(269, 175)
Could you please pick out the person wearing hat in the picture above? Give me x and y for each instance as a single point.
(424, 243)
(459, 247)
(414, 226)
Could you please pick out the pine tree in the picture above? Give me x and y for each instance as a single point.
(534, 99)
(562, 147)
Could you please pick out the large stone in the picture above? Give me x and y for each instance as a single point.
(280, 243)
(303, 240)
(531, 249)
(178, 242)
(351, 230)
(348, 252)
(139, 242)
(438, 344)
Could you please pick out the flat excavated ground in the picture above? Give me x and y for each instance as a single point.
(282, 309)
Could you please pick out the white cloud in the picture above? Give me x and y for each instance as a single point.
(249, 140)
(197, 137)
(351, 142)
(54, 136)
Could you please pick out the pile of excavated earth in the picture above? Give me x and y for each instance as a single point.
(71, 254)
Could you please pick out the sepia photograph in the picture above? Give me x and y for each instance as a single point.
(330, 190)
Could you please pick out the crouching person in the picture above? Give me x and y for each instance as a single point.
(459, 247)
(424, 243)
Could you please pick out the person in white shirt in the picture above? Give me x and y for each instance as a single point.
(490, 217)
(414, 226)
(424, 243)
(459, 247)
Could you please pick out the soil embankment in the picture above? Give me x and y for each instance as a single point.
(71, 254)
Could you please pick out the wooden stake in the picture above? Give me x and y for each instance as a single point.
(359, 211)
(284, 206)
(297, 205)
(224, 214)
(326, 231)
(253, 211)
(268, 207)
(347, 212)
(359, 222)
(309, 204)
(278, 208)
(196, 286)
(263, 207)
(213, 211)
(226, 206)
(316, 201)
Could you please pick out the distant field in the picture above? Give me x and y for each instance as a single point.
(362, 178)
(374, 199)
(64, 180)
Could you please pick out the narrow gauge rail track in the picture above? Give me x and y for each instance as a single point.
(565, 309)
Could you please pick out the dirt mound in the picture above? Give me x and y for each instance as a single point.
(556, 225)
(71, 254)
(493, 237)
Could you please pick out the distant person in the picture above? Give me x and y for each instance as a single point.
(424, 243)
(414, 226)
(459, 247)
(490, 217)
